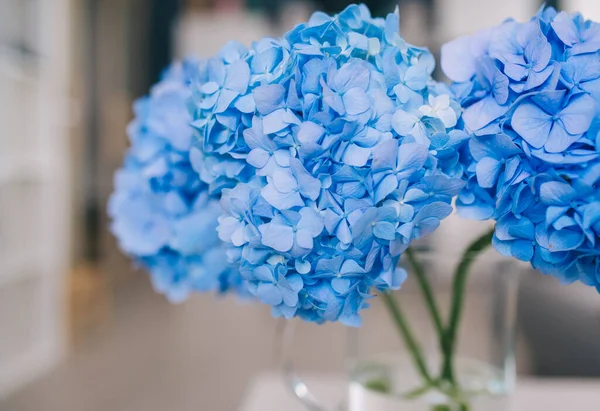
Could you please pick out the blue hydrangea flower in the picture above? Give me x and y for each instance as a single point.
(161, 212)
(530, 94)
(338, 152)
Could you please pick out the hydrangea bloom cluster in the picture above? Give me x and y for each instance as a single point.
(334, 149)
(530, 93)
(161, 212)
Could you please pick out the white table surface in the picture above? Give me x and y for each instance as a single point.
(268, 392)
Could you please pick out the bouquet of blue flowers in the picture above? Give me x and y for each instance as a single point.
(300, 170)
(531, 94)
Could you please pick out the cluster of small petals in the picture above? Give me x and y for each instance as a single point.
(223, 105)
(531, 93)
(333, 149)
(161, 212)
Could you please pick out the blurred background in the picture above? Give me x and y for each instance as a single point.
(80, 329)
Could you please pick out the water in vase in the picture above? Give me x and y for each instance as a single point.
(390, 384)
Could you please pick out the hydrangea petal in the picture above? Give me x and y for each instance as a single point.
(269, 294)
(278, 237)
(457, 60)
(269, 98)
(483, 113)
(556, 193)
(281, 201)
(564, 240)
(356, 101)
(559, 139)
(532, 123)
(488, 170)
(578, 115)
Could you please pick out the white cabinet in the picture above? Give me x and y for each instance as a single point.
(34, 196)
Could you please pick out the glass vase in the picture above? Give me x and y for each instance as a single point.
(390, 370)
(383, 372)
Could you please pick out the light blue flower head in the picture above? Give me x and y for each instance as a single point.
(161, 212)
(531, 94)
(336, 149)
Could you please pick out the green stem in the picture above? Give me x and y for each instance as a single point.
(417, 392)
(432, 306)
(406, 333)
(458, 290)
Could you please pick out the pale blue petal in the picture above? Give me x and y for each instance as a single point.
(553, 213)
(414, 195)
(356, 101)
(488, 170)
(385, 155)
(403, 122)
(532, 123)
(565, 28)
(304, 239)
(311, 221)
(227, 226)
(343, 232)
(522, 228)
(437, 210)
(356, 156)
(457, 61)
(309, 186)
(578, 115)
(284, 181)
(303, 267)
(263, 273)
(288, 291)
(557, 193)
(258, 158)
(238, 77)
(385, 230)
(411, 157)
(565, 240)
(278, 237)
(428, 226)
(310, 132)
(341, 285)
(281, 201)
(591, 214)
(269, 98)
(269, 294)
(476, 211)
(482, 113)
(245, 104)
(385, 187)
(522, 250)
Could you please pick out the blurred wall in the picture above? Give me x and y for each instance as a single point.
(589, 8)
(35, 206)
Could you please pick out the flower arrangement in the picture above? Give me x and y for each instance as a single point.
(301, 169)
